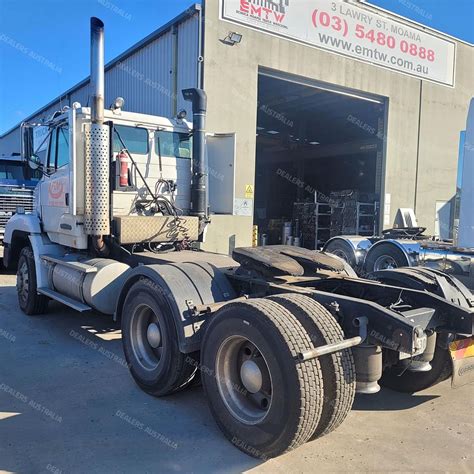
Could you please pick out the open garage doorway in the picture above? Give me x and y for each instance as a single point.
(319, 161)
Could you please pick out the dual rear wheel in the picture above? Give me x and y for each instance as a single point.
(264, 399)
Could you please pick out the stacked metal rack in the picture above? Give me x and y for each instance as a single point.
(342, 214)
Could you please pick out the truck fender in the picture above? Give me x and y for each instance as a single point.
(179, 287)
(17, 233)
(351, 248)
(26, 223)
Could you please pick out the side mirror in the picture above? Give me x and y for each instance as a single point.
(34, 162)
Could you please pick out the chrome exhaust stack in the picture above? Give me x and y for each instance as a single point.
(97, 165)
(97, 70)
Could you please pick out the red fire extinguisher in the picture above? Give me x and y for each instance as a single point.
(122, 159)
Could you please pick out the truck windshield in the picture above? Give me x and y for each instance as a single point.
(175, 144)
(16, 171)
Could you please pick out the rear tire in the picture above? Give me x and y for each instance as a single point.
(385, 257)
(411, 382)
(441, 365)
(338, 369)
(150, 343)
(264, 400)
(343, 250)
(31, 303)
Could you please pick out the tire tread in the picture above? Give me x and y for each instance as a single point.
(338, 369)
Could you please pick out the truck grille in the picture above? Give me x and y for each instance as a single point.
(9, 203)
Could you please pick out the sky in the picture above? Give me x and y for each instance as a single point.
(44, 44)
(455, 17)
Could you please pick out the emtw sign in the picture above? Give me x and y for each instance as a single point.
(351, 31)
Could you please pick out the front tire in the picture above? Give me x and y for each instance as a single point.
(31, 303)
(264, 400)
(150, 343)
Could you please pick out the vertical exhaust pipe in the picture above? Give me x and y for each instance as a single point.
(199, 184)
(97, 70)
(97, 162)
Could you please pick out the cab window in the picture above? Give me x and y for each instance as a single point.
(59, 148)
(135, 139)
(62, 154)
(175, 144)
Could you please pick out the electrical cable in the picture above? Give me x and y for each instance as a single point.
(160, 199)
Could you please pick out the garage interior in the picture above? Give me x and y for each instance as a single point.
(319, 160)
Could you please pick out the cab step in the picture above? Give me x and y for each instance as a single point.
(54, 295)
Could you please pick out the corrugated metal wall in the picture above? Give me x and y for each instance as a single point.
(188, 54)
(11, 143)
(150, 79)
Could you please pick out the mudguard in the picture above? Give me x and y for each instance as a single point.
(26, 223)
(182, 286)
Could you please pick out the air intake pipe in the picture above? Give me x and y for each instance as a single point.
(97, 166)
(199, 180)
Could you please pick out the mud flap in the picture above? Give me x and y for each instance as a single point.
(462, 355)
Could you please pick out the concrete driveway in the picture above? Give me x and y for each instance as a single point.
(68, 404)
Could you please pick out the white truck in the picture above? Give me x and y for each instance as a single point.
(282, 340)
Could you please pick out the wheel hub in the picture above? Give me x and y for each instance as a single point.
(251, 376)
(385, 262)
(244, 379)
(153, 335)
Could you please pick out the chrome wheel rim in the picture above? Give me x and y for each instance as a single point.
(23, 283)
(146, 338)
(385, 262)
(244, 380)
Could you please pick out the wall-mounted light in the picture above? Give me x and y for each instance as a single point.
(232, 38)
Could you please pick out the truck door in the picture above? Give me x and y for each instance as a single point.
(54, 193)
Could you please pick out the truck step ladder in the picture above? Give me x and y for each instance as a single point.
(54, 295)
